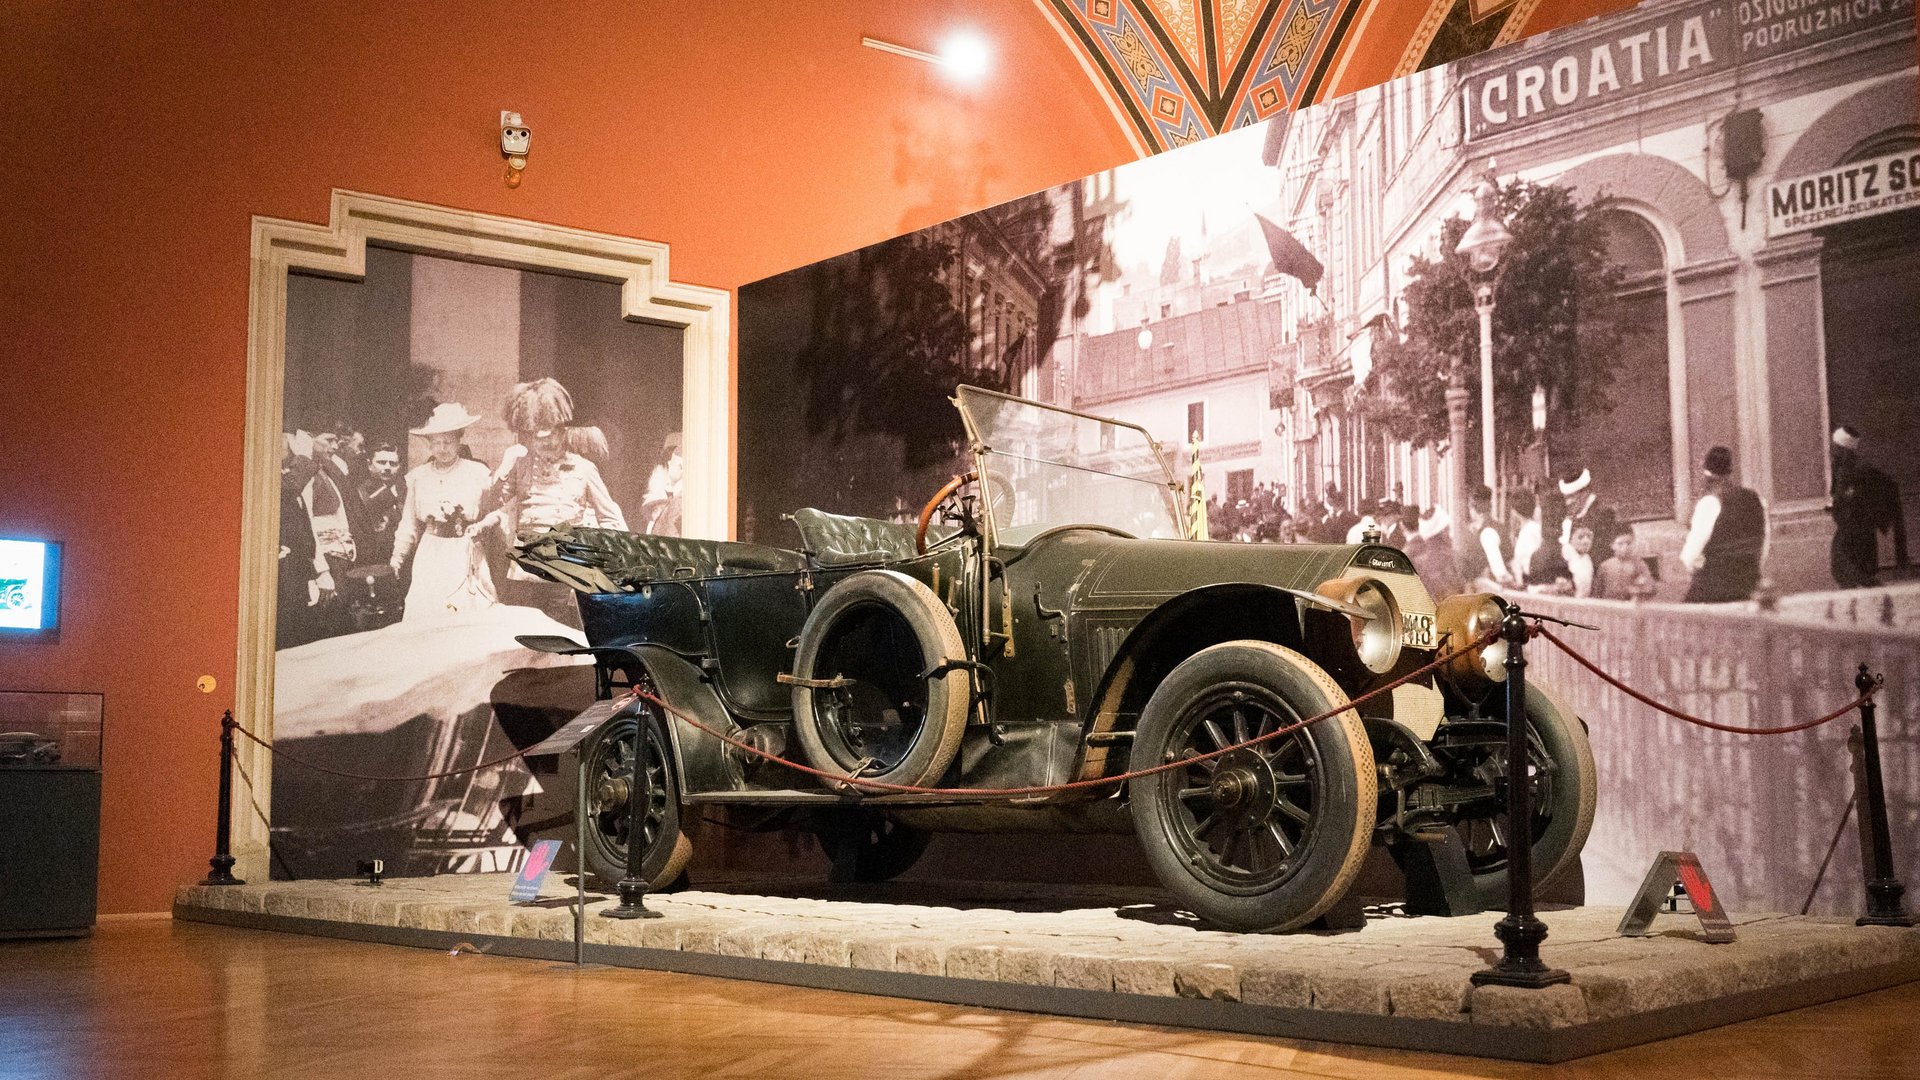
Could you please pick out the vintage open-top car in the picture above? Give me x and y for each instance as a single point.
(1045, 623)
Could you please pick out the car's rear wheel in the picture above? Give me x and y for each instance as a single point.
(878, 689)
(606, 800)
(1267, 837)
(1563, 796)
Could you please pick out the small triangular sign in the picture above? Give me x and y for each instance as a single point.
(1669, 868)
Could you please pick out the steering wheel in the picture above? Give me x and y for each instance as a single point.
(997, 492)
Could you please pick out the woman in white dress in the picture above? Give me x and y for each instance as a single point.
(442, 521)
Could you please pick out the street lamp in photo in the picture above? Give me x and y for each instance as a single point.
(1540, 430)
(1484, 242)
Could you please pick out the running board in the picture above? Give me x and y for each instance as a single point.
(793, 797)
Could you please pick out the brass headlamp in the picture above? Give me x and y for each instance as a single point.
(1372, 616)
(1462, 620)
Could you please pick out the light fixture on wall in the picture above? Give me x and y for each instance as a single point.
(515, 139)
(964, 55)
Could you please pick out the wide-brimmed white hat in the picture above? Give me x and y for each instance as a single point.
(447, 416)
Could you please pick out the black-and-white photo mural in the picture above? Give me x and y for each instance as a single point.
(1618, 321)
(433, 410)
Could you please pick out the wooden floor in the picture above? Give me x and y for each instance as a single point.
(163, 999)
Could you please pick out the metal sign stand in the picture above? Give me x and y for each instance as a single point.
(1681, 868)
(580, 873)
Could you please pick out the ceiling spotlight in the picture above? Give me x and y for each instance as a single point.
(965, 55)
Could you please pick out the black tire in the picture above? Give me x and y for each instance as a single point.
(604, 801)
(1565, 787)
(1266, 838)
(883, 630)
(866, 848)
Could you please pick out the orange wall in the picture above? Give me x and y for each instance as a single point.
(751, 137)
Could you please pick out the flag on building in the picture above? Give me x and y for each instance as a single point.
(1196, 497)
(1290, 257)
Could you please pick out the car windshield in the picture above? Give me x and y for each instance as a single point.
(1046, 467)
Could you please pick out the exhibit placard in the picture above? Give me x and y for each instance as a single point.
(526, 887)
(1682, 868)
(1847, 192)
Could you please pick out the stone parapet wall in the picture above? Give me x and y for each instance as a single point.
(1760, 810)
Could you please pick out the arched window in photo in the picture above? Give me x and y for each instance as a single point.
(1634, 438)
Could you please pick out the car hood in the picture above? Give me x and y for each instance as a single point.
(1129, 573)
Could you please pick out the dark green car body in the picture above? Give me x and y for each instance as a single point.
(1044, 644)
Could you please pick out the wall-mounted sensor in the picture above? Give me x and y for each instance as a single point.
(515, 137)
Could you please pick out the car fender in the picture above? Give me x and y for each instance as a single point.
(1176, 629)
(699, 758)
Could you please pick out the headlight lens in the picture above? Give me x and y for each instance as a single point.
(1465, 618)
(1376, 638)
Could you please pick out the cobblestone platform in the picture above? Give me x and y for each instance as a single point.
(1126, 955)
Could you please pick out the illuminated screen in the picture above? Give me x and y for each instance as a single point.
(29, 588)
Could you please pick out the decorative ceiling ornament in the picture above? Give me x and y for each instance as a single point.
(1452, 29)
(1182, 70)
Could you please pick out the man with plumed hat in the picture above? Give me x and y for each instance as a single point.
(1727, 540)
(1866, 502)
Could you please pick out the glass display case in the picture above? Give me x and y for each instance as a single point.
(49, 812)
(49, 730)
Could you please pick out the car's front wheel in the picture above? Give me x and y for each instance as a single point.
(1262, 838)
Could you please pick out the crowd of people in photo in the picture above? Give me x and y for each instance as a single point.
(363, 546)
(1564, 539)
(1589, 553)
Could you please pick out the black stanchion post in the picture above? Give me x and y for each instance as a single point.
(222, 861)
(1520, 933)
(1883, 888)
(633, 887)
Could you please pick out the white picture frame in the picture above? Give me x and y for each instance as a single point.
(339, 249)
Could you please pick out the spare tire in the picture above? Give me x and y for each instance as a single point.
(881, 631)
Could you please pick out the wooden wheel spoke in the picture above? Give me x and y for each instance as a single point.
(1280, 840)
(1281, 779)
(1240, 734)
(1292, 812)
(1206, 825)
(1217, 734)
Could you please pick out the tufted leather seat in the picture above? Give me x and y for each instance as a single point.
(607, 560)
(842, 540)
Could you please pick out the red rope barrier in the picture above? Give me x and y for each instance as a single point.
(1677, 714)
(316, 767)
(853, 781)
(1076, 785)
